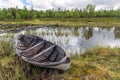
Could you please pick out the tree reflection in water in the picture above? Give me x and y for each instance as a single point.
(87, 32)
(117, 33)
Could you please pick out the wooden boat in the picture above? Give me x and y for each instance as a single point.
(37, 51)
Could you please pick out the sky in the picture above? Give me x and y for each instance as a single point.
(63, 4)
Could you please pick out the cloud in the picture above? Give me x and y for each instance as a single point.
(11, 3)
(64, 4)
(116, 7)
(70, 4)
(106, 4)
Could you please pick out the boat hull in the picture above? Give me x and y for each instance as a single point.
(40, 52)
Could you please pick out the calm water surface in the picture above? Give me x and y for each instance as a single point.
(75, 40)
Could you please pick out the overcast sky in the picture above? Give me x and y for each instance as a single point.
(64, 4)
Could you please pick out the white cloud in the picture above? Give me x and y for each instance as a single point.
(99, 7)
(11, 3)
(64, 4)
(70, 4)
(41, 4)
(116, 7)
(28, 1)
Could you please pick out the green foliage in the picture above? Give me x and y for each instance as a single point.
(88, 12)
(18, 16)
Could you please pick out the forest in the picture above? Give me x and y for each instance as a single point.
(88, 12)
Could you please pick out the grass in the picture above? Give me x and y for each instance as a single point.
(95, 64)
(67, 22)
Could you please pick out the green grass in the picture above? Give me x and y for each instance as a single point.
(69, 22)
(95, 64)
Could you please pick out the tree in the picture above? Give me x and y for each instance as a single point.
(18, 16)
(90, 10)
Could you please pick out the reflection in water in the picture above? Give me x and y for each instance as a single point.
(87, 32)
(77, 40)
(117, 33)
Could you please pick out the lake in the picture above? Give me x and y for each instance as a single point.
(72, 40)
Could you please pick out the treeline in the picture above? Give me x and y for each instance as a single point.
(88, 12)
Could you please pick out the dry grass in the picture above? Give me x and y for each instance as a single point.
(69, 22)
(95, 64)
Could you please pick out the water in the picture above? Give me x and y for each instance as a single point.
(75, 40)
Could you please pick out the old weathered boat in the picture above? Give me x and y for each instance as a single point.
(37, 51)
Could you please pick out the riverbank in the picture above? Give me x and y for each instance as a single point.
(69, 22)
(95, 64)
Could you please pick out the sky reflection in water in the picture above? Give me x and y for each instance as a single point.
(78, 40)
